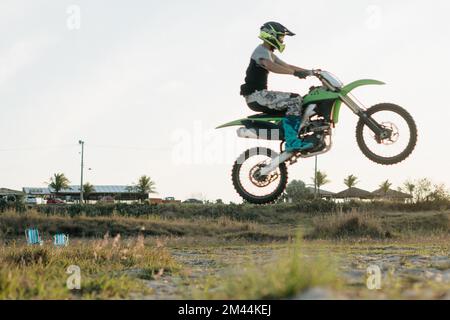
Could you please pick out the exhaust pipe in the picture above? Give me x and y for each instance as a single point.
(259, 133)
(247, 133)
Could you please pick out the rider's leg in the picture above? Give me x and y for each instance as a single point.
(292, 104)
(291, 126)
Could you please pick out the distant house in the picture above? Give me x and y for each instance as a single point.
(391, 195)
(10, 194)
(321, 193)
(101, 192)
(354, 194)
(310, 191)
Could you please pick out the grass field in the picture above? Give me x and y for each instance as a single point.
(287, 255)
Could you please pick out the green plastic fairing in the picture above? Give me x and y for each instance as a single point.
(319, 94)
(346, 89)
(316, 95)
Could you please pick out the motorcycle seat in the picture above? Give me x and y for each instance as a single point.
(264, 112)
(265, 115)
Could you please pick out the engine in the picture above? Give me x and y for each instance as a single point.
(316, 132)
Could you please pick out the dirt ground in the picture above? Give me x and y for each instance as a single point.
(410, 270)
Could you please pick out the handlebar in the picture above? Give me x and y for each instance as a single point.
(317, 72)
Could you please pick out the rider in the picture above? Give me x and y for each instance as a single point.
(255, 91)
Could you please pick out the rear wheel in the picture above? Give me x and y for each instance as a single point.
(403, 134)
(250, 184)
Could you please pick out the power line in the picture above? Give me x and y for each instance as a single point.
(127, 147)
(26, 148)
(38, 147)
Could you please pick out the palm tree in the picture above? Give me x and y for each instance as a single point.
(320, 179)
(88, 189)
(410, 187)
(144, 186)
(385, 186)
(58, 182)
(351, 181)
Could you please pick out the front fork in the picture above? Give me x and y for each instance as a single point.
(380, 132)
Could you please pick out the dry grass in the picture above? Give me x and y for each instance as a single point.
(418, 223)
(13, 225)
(374, 225)
(286, 276)
(39, 272)
(348, 225)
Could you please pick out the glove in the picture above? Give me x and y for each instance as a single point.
(303, 74)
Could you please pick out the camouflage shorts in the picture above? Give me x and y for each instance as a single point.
(276, 100)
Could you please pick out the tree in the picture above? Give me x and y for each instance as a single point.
(219, 201)
(320, 179)
(88, 189)
(144, 186)
(351, 181)
(422, 189)
(439, 193)
(58, 182)
(130, 189)
(409, 187)
(296, 190)
(385, 186)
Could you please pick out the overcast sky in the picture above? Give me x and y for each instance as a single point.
(144, 84)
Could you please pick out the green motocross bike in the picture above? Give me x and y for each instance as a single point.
(386, 134)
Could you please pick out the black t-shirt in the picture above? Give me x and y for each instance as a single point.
(256, 74)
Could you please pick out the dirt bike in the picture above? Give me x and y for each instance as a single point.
(386, 134)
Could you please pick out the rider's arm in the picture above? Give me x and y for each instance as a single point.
(275, 67)
(290, 66)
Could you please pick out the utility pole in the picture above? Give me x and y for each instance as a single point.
(315, 177)
(82, 166)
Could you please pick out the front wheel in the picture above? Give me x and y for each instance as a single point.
(250, 184)
(402, 138)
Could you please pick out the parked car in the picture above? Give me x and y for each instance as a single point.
(30, 200)
(54, 201)
(106, 199)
